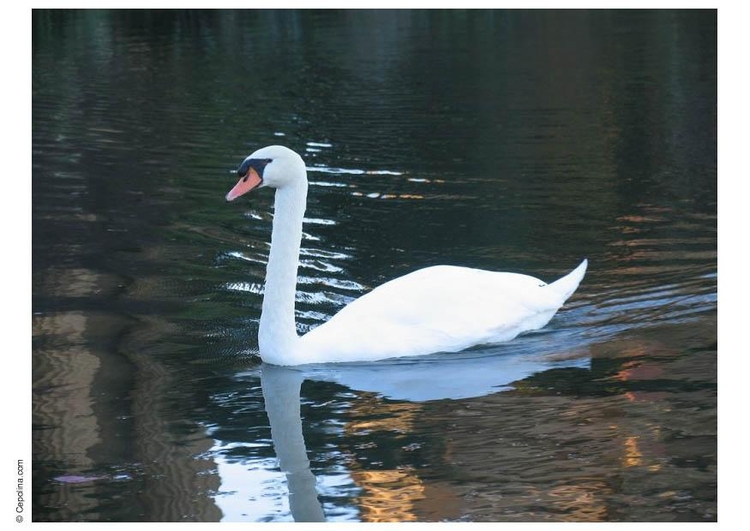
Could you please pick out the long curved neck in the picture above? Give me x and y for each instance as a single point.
(277, 335)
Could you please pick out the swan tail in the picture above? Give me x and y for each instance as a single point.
(566, 285)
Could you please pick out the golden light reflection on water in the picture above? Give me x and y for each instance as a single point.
(398, 417)
(582, 502)
(404, 495)
(388, 495)
(632, 454)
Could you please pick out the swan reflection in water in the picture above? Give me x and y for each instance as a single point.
(281, 393)
(471, 374)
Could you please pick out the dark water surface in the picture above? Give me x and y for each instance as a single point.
(519, 141)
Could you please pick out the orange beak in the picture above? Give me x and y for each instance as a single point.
(250, 181)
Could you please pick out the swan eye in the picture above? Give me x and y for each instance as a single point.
(257, 164)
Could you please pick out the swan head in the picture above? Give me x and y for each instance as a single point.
(272, 166)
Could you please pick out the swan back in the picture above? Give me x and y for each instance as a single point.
(438, 309)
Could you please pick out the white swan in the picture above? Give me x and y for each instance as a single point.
(436, 309)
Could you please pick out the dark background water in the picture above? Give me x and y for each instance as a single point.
(507, 140)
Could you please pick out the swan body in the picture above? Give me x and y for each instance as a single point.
(435, 309)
